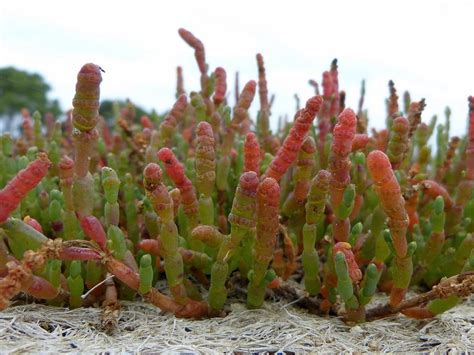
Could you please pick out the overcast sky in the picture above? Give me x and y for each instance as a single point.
(426, 47)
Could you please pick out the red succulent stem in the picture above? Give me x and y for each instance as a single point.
(27, 179)
(292, 143)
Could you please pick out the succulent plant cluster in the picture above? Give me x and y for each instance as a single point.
(204, 196)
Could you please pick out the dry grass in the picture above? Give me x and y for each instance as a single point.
(142, 327)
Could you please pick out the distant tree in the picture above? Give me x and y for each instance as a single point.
(110, 109)
(20, 89)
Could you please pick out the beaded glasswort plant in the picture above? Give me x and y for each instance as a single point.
(213, 202)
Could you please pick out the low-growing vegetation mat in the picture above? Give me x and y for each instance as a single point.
(205, 208)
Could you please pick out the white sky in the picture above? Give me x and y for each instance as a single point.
(424, 46)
